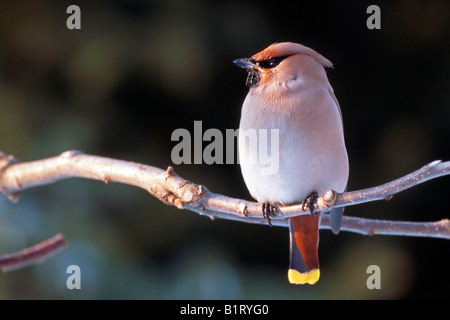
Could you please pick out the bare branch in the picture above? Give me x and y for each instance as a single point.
(32, 255)
(174, 190)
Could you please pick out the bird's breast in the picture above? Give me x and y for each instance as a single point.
(291, 147)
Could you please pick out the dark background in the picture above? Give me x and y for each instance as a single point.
(137, 70)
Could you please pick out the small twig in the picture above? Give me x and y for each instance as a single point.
(437, 229)
(32, 255)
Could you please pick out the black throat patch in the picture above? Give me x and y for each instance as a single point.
(252, 78)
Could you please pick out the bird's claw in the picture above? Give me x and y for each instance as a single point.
(310, 202)
(268, 211)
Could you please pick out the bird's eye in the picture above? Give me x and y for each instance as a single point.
(270, 63)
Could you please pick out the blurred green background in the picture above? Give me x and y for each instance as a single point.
(137, 70)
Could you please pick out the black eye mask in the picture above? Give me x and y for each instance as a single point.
(270, 63)
(254, 74)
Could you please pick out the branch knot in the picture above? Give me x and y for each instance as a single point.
(5, 162)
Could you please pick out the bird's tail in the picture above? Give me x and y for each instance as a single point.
(304, 249)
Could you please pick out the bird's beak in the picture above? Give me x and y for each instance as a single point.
(252, 68)
(245, 63)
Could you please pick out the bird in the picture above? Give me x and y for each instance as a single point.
(291, 98)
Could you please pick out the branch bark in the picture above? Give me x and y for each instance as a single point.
(183, 194)
(32, 255)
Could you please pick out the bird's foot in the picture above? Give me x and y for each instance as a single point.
(310, 202)
(268, 211)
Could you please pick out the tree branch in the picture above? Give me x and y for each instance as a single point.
(174, 190)
(32, 255)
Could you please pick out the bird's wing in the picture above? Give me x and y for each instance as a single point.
(337, 213)
(331, 93)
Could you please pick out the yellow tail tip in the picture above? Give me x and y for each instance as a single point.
(310, 277)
